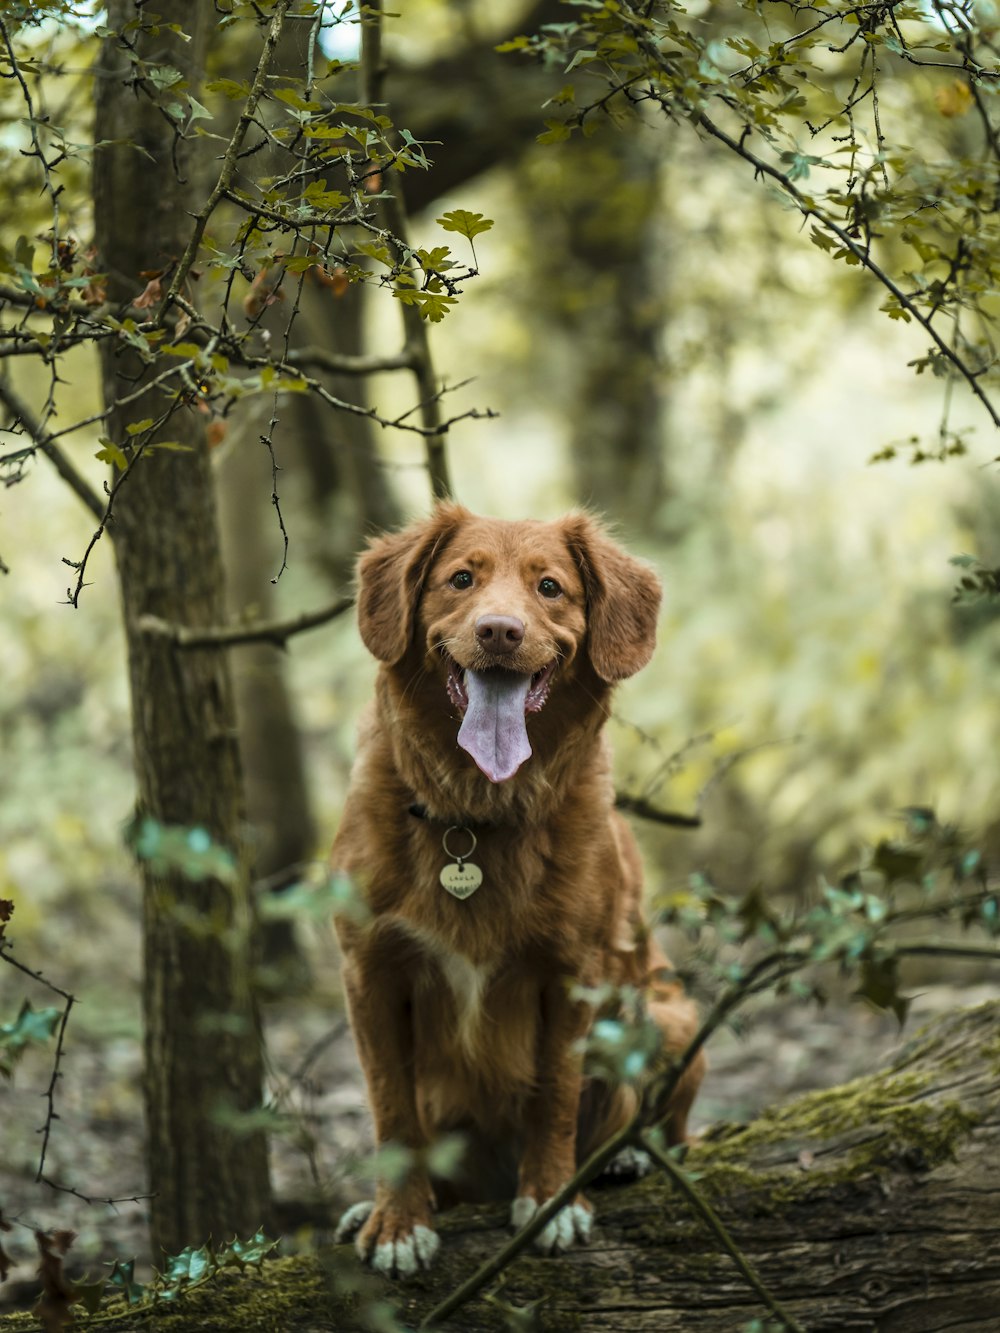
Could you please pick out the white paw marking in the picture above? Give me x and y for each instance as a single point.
(406, 1256)
(570, 1225)
(522, 1210)
(630, 1164)
(395, 1256)
(353, 1220)
(427, 1243)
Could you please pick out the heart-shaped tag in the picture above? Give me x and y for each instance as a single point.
(461, 879)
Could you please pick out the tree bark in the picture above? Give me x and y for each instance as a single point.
(203, 1062)
(872, 1206)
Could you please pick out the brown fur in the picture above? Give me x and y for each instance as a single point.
(461, 1009)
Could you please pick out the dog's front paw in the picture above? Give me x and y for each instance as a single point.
(629, 1164)
(570, 1226)
(394, 1245)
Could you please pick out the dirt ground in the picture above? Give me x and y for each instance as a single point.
(318, 1158)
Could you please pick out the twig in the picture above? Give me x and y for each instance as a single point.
(651, 1142)
(418, 346)
(809, 210)
(755, 978)
(229, 636)
(343, 363)
(513, 1247)
(230, 161)
(46, 445)
(643, 809)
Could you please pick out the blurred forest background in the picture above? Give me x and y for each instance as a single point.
(659, 340)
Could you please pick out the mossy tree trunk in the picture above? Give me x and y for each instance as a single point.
(202, 1049)
(871, 1206)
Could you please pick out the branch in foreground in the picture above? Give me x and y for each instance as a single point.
(809, 210)
(277, 632)
(44, 442)
(643, 809)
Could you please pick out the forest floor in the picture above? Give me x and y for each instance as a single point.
(324, 1132)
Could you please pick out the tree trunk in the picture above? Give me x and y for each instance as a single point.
(203, 1063)
(872, 1206)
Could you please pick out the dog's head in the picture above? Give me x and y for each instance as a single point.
(501, 613)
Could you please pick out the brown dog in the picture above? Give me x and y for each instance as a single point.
(480, 831)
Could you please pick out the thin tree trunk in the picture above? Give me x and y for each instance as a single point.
(203, 1062)
(597, 210)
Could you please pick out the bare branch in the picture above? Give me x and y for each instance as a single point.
(643, 809)
(44, 442)
(343, 363)
(231, 160)
(230, 636)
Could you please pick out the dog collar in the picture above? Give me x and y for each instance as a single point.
(461, 877)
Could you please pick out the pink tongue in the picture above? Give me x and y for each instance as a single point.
(493, 729)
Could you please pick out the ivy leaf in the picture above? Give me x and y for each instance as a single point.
(31, 1026)
(896, 861)
(123, 1278)
(90, 1294)
(880, 986)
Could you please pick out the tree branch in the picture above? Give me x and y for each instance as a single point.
(231, 160)
(808, 209)
(23, 415)
(277, 632)
(643, 809)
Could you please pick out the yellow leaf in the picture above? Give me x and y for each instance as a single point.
(954, 99)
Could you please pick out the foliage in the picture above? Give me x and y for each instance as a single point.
(190, 851)
(199, 321)
(180, 1274)
(977, 583)
(813, 99)
(31, 1026)
(862, 927)
(811, 103)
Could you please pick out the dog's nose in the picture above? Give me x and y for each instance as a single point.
(500, 634)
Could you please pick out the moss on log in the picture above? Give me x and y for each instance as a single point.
(875, 1205)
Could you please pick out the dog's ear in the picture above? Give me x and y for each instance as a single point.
(623, 599)
(390, 576)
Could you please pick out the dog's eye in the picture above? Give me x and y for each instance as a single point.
(463, 579)
(549, 588)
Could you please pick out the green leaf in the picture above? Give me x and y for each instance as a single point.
(89, 1295)
(32, 1026)
(198, 110)
(111, 453)
(433, 306)
(123, 1278)
(515, 44)
(175, 848)
(229, 87)
(555, 132)
(880, 986)
(465, 223)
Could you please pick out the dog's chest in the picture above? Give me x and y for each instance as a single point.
(465, 982)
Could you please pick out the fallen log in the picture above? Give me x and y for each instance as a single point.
(870, 1206)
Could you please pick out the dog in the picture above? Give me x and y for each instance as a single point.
(495, 875)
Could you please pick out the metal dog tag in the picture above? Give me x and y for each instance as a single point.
(461, 879)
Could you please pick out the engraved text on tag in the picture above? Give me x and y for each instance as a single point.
(461, 879)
